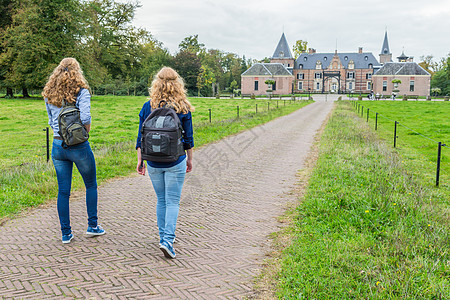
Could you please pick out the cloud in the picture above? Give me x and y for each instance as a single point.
(253, 28)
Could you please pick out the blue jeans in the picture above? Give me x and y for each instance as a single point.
(168, 183)
(63, 160)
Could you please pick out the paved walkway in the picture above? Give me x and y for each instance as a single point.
(229, 207)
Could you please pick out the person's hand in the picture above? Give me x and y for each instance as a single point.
(188, 165)
(140, 168)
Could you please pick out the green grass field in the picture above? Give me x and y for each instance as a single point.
(430, 123)
(26, 178)
(365, 229)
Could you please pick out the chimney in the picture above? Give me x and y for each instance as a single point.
(311, 51)
(360, 50)
(411, 59)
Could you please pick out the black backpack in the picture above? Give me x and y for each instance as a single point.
(161, 135)
(71, 130)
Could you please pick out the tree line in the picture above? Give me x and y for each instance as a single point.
(116, 56)
(440, 74)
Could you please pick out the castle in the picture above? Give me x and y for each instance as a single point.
(313, 72)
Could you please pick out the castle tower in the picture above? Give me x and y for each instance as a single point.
(385, 55)
(283, 54)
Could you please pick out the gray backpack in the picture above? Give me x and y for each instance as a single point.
(71, 130)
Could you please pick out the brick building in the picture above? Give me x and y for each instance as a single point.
(414, 79)
(352, 72)
(311, 72)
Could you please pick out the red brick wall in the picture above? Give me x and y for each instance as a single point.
(309, 82)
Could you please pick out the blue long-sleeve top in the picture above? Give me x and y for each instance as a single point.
(187, 139)
(83, 103)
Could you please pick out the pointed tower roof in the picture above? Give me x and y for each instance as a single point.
(385, 48)
(282, 50)
(402, 57)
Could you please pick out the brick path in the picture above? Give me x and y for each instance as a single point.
(229, 207)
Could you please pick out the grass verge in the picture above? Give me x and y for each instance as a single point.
(365, 229)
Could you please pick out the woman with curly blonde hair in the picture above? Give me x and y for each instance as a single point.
(168, 177)
(68, 83)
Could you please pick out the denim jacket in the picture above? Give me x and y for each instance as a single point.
(187, 139)
(83, 103)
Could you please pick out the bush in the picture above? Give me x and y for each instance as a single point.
(405, 98)
(252, 96)
(446, 98)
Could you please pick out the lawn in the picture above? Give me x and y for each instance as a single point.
(422, 124)
(26, 178)
(365, 228)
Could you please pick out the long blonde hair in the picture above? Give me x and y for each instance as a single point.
(168, 86)
(65, 82)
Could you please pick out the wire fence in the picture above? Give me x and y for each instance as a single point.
(271, 105)
(360, 110)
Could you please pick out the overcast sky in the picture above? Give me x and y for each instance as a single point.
(254, 27)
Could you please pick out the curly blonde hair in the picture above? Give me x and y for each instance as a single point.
(168, 86)
(65, 82)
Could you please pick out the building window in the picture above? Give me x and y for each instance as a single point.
(300, 76)
(274, 86)
(317, 75)
(256, 85)
(300, 66)
(411, 86)
(300, 85)
(350, 75)
(369, 76)
(384, 86)
(351, 64)
(369, 86)
(370, 66)
(366, 57)
(325, 58)
(305, 58)
(334, 86)
(289, 65)
(346, 58)
(318, 65)
(350, 85)
(318, 86)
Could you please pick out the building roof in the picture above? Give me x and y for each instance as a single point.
(401, 68)
(385, 47)
(282, 50)
(361, 60)
(267, 69)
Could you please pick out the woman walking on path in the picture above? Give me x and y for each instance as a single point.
(68, 83)
(168, 177)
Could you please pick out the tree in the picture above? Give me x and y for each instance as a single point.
(205, 79)
(299, 47)
(41, 34)
(191, 44)
(7, 8)
(187, 64)
(113, 46)
(441, 79)
(233, 86)
(428, 64)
